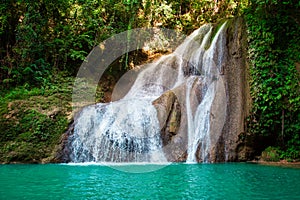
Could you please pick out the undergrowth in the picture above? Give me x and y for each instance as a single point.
(33, 119)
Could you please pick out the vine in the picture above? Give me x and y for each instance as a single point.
(273, 53)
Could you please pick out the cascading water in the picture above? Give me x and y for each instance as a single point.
(199, 126)
(128, 130)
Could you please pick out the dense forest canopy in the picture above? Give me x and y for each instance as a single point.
(41, 39)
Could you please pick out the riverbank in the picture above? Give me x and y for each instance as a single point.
(281, 163)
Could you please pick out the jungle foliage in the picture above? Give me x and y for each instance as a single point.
(41, 40)
(274, 52)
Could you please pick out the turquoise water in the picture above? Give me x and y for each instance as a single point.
(176, 181)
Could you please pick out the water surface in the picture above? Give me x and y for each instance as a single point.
(176, 181)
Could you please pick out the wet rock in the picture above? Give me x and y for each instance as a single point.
(62, 150)
(238, 100)
(169, 115)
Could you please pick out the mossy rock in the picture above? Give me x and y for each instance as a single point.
(270, 154)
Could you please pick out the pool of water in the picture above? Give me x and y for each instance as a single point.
(175, 181)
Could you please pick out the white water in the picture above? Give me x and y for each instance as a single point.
(199, 126)
(127, 130)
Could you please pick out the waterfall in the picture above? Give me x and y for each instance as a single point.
(128, 130)
(199, 126)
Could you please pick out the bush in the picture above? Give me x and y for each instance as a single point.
(270, 154)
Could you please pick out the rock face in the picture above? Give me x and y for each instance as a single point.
(169, 117)
(169, 114)
(236, 78)
(238, 101)
(232, 97)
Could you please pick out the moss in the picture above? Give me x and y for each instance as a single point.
(32, 121)
(216, 28)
